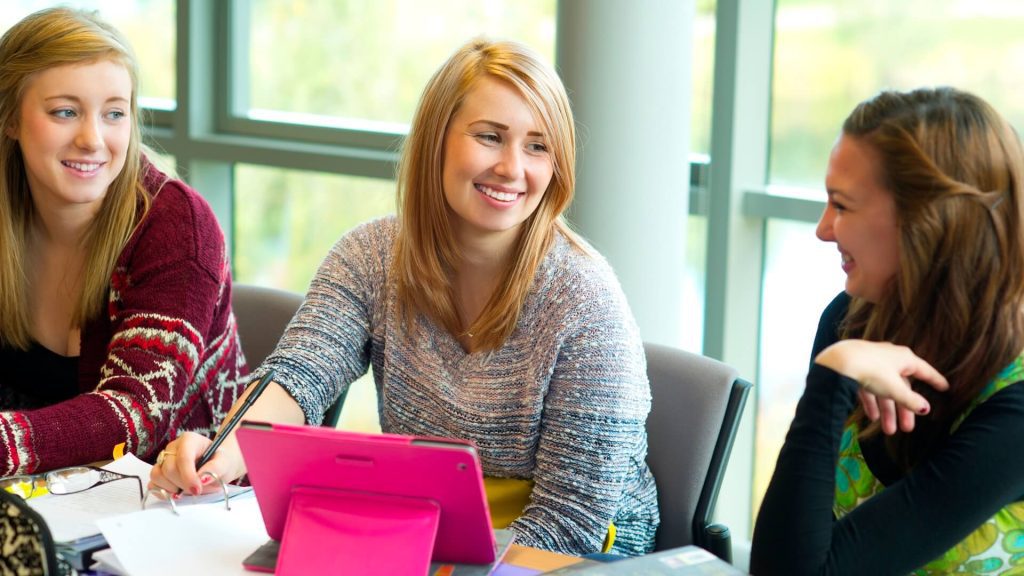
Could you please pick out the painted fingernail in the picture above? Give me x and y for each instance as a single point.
(923, 410)
(206, 479)
(195, 491)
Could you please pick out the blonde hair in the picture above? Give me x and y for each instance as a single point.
(46, 39)
(955, 169)
(425, 251)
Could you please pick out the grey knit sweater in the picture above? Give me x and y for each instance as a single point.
(563, 402)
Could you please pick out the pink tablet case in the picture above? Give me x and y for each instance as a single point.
(382, 503)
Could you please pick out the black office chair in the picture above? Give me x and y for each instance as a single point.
(262, 315)
(696, 407)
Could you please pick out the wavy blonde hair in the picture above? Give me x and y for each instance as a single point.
(46, 39)
(956, 170)
(425, 251)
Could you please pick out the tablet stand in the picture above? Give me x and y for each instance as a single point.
(341, 532)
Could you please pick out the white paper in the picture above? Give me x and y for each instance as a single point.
(74, 516)
(202, 539)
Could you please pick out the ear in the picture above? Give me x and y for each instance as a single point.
(11, 131)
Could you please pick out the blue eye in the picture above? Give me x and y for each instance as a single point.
(63, 113)
(488, 137)
(537, 147)
(115, 115)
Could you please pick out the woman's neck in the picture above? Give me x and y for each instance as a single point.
(484, 261)
(64, 227)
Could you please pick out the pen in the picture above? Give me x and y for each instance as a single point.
(261, 385)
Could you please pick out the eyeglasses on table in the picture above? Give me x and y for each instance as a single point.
(70, 480)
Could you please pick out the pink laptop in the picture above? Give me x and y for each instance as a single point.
(349, 502)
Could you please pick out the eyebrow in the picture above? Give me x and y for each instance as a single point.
(77, 99)
(501, 126)
(832, 192)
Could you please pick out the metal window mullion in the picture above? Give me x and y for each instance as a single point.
(735, 241)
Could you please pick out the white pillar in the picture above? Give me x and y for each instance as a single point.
(632, 111)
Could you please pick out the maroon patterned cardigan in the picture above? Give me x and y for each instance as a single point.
(164, 359)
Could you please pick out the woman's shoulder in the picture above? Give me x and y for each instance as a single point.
(375, 236)
(572, 260)
(829, 323)
(172, 200)
(179, 224)
(577, 276)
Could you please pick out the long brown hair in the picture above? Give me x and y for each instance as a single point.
(425, 251)
(956, 171)
(46, 39)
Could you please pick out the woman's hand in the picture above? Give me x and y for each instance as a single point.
(176, 466)
(883, 371)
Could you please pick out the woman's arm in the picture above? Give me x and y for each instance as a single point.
(908, 524)
(162, 351)
(323, 349)
(593, 440)
(178, 468)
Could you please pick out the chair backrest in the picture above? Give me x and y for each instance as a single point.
(262, 315)
(695, 410)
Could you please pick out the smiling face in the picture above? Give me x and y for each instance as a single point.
(496, 163)
(73, 130)
(861, 219)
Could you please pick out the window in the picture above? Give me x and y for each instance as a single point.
(801, 276)
(831, 54)
(149, 27)
(287, 220)
(363, 64)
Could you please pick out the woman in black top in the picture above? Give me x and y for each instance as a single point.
(924, 475)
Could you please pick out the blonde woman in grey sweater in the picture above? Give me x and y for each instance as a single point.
(483, 316)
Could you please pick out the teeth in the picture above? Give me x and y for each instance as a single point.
(500, 196)
(82, 167)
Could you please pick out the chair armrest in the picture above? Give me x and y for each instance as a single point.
(719, 541)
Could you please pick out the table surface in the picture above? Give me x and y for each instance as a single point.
(525, 557)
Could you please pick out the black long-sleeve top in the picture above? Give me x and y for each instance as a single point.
(916, 518)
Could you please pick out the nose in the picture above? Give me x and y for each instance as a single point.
(824, 230)
(89, 135)
(510, 165)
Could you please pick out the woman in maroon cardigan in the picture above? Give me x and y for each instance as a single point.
(115, 290)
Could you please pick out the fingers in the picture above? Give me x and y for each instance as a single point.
(905, 419)
(175, 469)
(887, 413)
(892, 417)
(869, 402)
(925, 372)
